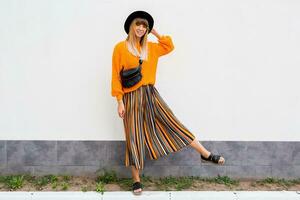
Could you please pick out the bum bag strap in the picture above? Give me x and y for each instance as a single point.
(140, 63)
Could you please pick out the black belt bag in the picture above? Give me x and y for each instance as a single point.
(132, 76)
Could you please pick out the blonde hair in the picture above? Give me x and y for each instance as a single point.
(132, 39)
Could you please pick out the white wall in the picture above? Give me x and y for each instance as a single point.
(234, 73)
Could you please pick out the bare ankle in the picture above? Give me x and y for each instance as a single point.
(207, 155)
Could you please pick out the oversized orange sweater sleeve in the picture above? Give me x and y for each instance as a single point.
(116, 86)
(164, 45)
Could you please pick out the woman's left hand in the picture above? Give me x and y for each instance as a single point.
(154, 32)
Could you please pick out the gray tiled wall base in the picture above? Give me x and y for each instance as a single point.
(252, 159)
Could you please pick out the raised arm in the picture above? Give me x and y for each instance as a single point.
(165, 44)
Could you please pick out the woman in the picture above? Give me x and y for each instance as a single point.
(148, 121)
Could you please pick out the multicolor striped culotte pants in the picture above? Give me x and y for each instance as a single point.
(150, 123)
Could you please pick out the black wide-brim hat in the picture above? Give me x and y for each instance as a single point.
(138, 14)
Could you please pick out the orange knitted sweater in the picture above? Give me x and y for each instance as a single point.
(122, 57)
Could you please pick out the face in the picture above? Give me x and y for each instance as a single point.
(140, 28)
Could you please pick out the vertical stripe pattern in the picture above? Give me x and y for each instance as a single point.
(150, 124)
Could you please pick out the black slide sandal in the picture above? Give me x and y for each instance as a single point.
(213, 158)
(135, 186)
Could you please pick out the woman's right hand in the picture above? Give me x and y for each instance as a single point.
(121, 109)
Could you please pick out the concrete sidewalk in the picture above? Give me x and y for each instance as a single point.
(161, 195)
